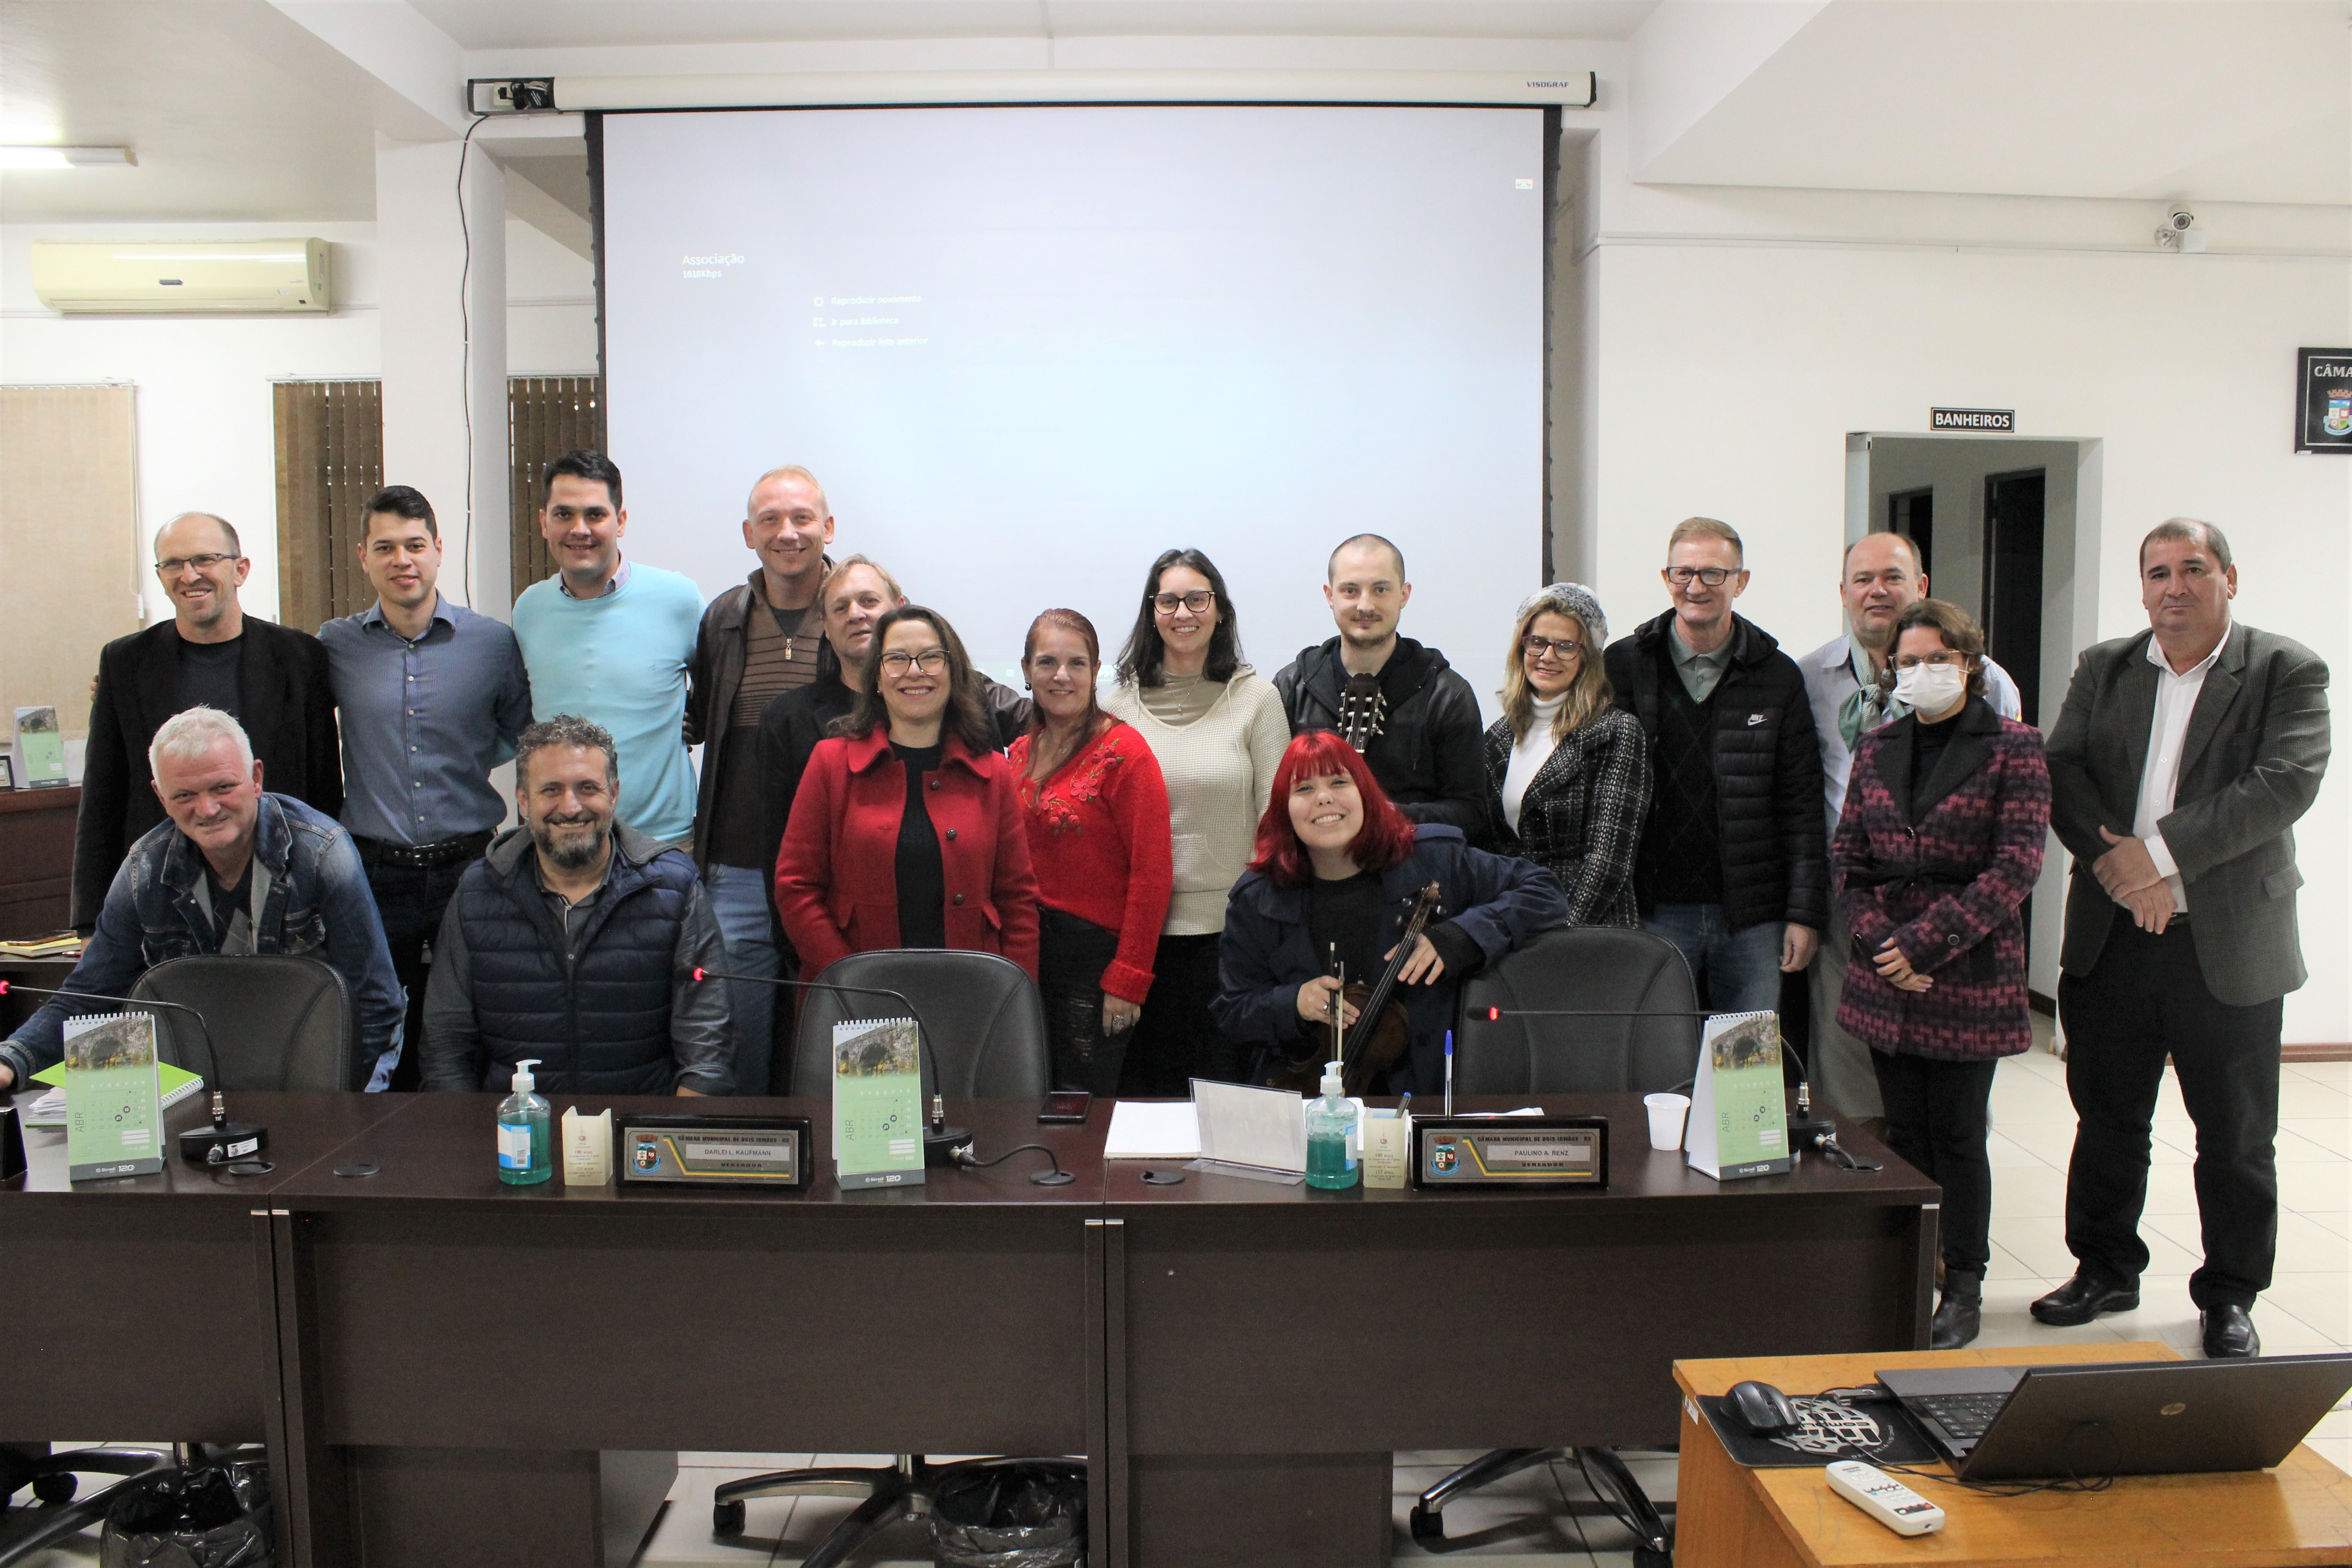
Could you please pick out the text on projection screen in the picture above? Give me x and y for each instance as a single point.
(1027, 349)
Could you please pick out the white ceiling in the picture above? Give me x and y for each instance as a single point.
(262, 110)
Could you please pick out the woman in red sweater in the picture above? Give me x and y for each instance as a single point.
(1097, 812)
(906, 830)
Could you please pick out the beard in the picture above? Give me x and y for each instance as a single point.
(577, 853)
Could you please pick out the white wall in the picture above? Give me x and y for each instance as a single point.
(1728, 374)
(207, 440)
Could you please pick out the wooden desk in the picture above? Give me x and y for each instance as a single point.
(1728, 1516)
(463, 1355)
(1272, 1345)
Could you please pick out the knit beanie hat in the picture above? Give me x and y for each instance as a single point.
(1570, 599)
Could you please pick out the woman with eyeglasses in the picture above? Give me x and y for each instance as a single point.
(1935, 855)
(1567, 771)
(1218, 729)
(1096, 814)
(906, 830)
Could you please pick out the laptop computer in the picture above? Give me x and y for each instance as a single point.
(2120, 1418)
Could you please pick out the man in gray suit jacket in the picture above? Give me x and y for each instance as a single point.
(2178, 768)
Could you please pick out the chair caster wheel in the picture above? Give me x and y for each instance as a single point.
(726, 1519)
(57, 1487)
(1428, 1528)
(1646, 1557)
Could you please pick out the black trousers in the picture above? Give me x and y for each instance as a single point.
(2146, 1000)
(1177, 1039)
(1072, 954)
(411, 900)
(1936, 1121)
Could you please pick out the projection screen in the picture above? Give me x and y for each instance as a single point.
(1025, 349)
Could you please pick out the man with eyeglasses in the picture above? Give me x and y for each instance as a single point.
(1399, 704)
(1849, 684)
(271, 678)
(1733, 867)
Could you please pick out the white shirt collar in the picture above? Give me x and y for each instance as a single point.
(2156, 655)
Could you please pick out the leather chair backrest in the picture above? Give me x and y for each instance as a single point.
(1587, 968)
(980, 1013)
(277, 1021)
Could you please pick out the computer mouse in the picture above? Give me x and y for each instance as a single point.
(1761, 1408)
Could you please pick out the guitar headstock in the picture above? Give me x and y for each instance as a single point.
(1363, 710)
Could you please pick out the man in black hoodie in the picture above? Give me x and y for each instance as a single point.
(1399, 704)
(1732, 869)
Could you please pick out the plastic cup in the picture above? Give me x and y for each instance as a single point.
(1666, 1114)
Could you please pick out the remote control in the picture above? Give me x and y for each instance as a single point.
(1885, 1498)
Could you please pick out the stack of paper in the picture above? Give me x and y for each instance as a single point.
(49, 1110)
(1153, 1130)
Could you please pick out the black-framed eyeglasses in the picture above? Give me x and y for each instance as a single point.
(1536, 648)
(930, 661)
(1198, 601)
(204, 563)
(1712, 576)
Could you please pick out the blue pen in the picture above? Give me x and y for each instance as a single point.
(1449, 1072)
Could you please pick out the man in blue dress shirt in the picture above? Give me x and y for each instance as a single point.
(433, 697)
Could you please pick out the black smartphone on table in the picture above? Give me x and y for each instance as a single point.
(1067, 1105)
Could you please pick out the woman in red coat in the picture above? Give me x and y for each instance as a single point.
(907, 829)
(1936, 853)
(1098, 815)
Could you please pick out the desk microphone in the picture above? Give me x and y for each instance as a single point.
(1805, 1130)
(217, 1144)
(939, 1139)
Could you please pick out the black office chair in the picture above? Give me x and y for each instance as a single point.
(55, 1478)
(1649, 1050)
(986, 1029)
(277, 1021)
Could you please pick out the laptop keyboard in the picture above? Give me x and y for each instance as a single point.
(1964, 1415)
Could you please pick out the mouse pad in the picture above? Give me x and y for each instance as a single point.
(1874, 1431)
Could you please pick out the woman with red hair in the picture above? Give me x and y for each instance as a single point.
(1338, 869)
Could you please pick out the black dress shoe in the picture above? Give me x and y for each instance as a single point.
(2083, 1297)
(2230, 1333)
(1957, 1322)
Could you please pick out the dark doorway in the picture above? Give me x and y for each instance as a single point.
(2013, 580)
(1912, 514)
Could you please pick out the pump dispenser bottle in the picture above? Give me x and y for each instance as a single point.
(1329, 1120)
(524, 1152)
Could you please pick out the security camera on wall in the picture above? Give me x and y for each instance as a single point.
(2180, 231)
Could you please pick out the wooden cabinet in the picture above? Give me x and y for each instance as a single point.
(36, 850)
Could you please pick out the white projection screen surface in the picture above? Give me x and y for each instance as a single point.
(1025, 349)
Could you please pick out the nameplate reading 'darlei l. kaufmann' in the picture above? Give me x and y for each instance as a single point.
(1510, 1151)
(771, 1151)
(2002, 419)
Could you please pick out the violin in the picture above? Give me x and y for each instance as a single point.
(1381, 1034)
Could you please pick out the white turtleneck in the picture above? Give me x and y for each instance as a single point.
(1534, 750)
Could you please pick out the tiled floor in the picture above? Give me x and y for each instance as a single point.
(1533, 1519)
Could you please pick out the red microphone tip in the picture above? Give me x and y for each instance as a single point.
(697, 974)
(1494, 1014)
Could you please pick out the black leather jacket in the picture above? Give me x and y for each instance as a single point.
(1430, 753)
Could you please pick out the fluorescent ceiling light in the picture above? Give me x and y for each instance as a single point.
(20, 156)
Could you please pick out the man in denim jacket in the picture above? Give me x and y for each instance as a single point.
(235, 870)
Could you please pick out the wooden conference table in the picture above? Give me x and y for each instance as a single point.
(1732, 1517)
(449, 1371)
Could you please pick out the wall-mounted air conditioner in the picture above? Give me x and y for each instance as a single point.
(84, 277)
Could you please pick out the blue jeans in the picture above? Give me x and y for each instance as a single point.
(739, 897)
(1737, 971)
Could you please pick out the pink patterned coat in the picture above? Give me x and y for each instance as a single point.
(1974, 836)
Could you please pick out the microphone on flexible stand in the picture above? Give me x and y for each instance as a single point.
(224, 1140)
(1805, 1130)
(939, 1139)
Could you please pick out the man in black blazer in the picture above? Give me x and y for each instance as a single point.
(2178, 768)
(272, 680)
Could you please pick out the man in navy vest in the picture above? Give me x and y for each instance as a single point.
(574, 940)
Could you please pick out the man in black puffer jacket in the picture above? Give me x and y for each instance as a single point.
(1732, 867)
(1418, 728)
(575, 941)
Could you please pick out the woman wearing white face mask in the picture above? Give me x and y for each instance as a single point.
(1936, 853)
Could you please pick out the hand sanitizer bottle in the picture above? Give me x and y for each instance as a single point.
(524, 1153)
(1329, 1120)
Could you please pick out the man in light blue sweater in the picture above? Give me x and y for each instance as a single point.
(612, 641)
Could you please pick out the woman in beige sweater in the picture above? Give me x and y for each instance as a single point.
(1218, 729)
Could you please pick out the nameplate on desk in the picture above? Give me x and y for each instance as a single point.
(769, 1152)
(1510, 1151)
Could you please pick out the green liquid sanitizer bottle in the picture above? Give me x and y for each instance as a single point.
(524, 1156)
(1329, 1120)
